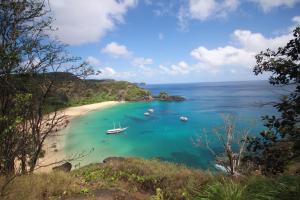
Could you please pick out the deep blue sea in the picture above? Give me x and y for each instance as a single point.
(162, 135)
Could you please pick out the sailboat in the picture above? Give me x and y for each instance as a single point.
(184, 119)
(150, 110)
(116, 130)
(146, 113)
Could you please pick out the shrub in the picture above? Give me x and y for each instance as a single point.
(224, 189)
(281, 188)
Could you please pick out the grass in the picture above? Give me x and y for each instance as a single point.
(41, 186)
(152, 180)
(224, 189)
(281, 188)
(150, 176)
(252, 188)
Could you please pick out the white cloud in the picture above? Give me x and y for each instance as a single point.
(221, 56)
(82, 22)
(208, 9)
(296, 20)
(183, 19)
(203, 9)
(242, 55)
(163, 8)
(92, 61)
(116, 50)
(121, 51)
(268, 5)
(142, 62)
(231, 58)
(257, 42)
(109, 72)
(180, 68)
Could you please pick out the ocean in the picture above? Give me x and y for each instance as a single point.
(162, 135)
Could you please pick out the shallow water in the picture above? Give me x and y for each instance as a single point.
(162, 135)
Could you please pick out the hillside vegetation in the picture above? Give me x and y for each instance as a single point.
(139, 179)
(72, 91)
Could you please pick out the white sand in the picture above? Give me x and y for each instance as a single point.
(54, 145)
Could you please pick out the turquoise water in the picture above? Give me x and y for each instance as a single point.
(162, 135)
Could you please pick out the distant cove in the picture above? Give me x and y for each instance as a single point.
(162, 135)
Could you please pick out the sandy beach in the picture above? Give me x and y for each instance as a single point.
(54, 145)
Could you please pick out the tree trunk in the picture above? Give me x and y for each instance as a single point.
(23, 163)
(35, 158)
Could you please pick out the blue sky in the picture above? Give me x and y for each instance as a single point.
(173, 41)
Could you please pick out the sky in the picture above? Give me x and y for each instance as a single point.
(174, 41)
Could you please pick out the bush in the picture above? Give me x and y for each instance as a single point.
(225, 189)
(281, 188)
(251, 188)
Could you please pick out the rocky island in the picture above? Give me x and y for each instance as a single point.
(164, 96)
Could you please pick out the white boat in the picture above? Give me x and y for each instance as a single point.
(116, 130)
(146, 113)
(221, 168)
(182, 118)
(150, 110)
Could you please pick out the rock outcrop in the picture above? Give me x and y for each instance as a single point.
(164, 96)
(118, 159)
(66, 167)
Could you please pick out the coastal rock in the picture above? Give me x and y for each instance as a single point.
(164, 96)
(66, 167)
(173, 98)
(109, 159)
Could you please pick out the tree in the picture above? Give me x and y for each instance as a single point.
(280, 143)
(233, 142)
(28, 59)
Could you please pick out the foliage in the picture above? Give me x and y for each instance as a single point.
(224, 189)
(281, 188)
(27, 54)
(254, 188)
(71, 91)
(280, 143)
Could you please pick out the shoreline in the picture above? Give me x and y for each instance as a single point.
(54, 145)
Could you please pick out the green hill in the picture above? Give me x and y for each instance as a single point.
(70, 90)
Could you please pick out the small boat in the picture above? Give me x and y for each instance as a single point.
(221, 168)
(150, 110)
(184, 119)
(146, 113)
(116, 130)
